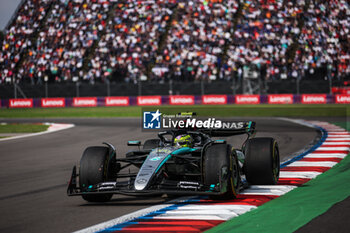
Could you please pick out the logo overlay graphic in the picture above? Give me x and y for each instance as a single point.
(185, 120)
(204, 119)
(151, 120)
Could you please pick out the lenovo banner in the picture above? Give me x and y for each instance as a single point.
(247, 99)
(53, 102)
(117, 101)
(85, 102)
(181, 100)
(341, 90)
(342, 99)
(149, 100)
(314, 99)
(281, 99)
(214, 99)
(21, 103)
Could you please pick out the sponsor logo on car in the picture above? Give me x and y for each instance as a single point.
(156, 158)
(143, 174)
(141, 181)
(182, 100)
(188, 185)
(151, 120)
(21, 103)
(214, 99)
(164, 150)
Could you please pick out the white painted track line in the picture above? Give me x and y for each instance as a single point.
(312, 164)
(54, 127)
(330, 155)
(307, 175)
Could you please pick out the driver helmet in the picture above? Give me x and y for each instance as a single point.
(183, 140)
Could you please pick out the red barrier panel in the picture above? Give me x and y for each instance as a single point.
(314, 99)
(181, 100)
(280, 99)
(53, 102)
(85, 102)
(247, 99)
(214, 99)
(175, 100)
(342, 99)
(117, 101)
(341, 90)
(149, 100)
(21, 103)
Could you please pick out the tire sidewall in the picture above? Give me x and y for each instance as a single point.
(261, 165)
(94, 169)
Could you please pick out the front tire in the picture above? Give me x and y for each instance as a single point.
(262, 161)
(220, 163)
(93, 169)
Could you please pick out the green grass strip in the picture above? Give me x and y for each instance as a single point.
(295, 110)
(71, 112)
(344, 125)
(22, 128)
(298, 207)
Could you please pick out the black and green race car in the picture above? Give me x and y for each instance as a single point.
(199, 166)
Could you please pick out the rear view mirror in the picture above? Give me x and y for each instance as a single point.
(134, 143)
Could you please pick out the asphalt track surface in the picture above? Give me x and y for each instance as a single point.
(34, 171)
(336, 219)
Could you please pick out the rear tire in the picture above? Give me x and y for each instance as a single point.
(219, 157)
(151, 144)
(262, 161)
(93, 169)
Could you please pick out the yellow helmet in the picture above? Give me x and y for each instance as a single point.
(183, 140)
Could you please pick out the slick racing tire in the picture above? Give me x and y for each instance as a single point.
(220, 160)
(262, 161)
(93, 170)
(151, 144)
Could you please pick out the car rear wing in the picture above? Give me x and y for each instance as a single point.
(231, 129)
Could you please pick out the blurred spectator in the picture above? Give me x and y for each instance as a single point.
(18, 38)
(71, 29)
(131, 39)
(264, 34)
(325, 39)
(195, 42)
(182, 40)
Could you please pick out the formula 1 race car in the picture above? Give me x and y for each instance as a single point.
(178, 162)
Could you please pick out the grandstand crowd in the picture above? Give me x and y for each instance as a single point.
(179, 40)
